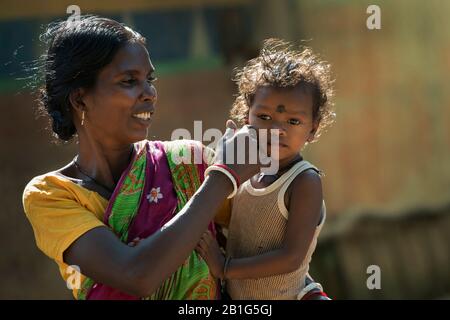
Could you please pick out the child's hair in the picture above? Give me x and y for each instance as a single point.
(279, 65)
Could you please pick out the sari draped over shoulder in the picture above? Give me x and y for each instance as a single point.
(159, 181)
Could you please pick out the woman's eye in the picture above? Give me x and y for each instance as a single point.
(294, 122)
(129, 82)
(151, 79)
(132, 81)
(264, 117)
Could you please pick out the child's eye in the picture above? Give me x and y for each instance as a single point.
(294, 122)
(151, 79)
(264, 117)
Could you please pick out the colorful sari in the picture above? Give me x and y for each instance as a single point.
(149, 193)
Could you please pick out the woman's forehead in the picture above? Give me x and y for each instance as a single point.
(133, 57)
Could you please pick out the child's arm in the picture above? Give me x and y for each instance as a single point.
(304, 214)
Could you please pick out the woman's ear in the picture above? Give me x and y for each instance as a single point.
(76, 100)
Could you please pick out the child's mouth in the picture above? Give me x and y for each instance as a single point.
(281, 145)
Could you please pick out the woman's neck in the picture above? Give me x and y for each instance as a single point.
(102, 162)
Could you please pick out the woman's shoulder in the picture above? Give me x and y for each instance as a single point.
(59, 211)
(46, 181)
(50, 186)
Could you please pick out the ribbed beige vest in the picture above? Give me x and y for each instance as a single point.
(258, 225)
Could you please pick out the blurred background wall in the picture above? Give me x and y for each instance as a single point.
(386, 159)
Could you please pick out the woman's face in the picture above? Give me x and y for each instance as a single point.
(120, 106)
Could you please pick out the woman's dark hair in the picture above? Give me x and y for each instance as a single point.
(76, 52)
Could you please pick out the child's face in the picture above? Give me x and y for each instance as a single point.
(289, 110)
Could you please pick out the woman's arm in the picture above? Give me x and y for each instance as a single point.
(140, 270)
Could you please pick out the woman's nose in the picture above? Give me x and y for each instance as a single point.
(149, 94)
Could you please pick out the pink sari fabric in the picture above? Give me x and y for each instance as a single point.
(157, 205)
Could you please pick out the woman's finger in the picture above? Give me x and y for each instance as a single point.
(206, 234)
(208, 238)
(202, 244)
(231, 124)
(198, 249)
(230, 129)
(201, 252)
(134, 242)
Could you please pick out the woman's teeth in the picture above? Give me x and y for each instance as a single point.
(143, 115)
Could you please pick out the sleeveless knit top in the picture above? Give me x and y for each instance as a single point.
(258, 224)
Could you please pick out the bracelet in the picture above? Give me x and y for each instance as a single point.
(233, 173)
(307, 290)
(227, 173)
(225, 267)
(311, 294)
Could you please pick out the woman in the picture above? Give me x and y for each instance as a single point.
(120, 187)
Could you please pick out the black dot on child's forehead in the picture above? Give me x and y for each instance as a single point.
(281, 108)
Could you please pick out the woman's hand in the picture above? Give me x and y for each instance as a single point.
(209, 250)
(231, 148)
(134, 242)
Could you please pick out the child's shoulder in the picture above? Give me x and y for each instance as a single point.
(304, 195)
(305, 173)
(304, 185)
(306, 180)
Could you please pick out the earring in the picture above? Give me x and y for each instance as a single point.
(82, 118)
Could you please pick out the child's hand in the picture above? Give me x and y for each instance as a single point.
(209, 250)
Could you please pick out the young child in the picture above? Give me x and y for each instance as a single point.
(276, 219)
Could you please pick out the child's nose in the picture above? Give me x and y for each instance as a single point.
(280, 128)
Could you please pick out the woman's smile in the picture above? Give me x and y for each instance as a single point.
(143, 118)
